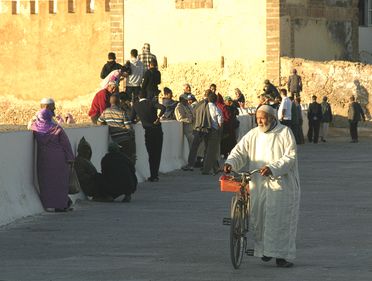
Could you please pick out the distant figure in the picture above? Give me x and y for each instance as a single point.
(101, 101)
(147, 111)
(270, 90)
(230, 125)
(239, 100)
(183, 113)
(169, 103)
(300, 120)
(151, 80)
(295, 83)
(110, 66)
(186, 89)
(118, 174)
(355, 114)
(327, 118)
(120, 128)
(116, 76)
(134, 80)
(285, 109)
(146, 57)
(295, 120)
(191, 99)
(314, 115)
(54, 159)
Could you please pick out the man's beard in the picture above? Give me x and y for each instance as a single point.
(268, 127)
(265, 128)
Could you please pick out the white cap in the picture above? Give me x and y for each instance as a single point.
(47, 101)
(268, 109)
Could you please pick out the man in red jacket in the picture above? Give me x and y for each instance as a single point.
(101, 101)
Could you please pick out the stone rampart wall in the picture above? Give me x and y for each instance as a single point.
(337, 80)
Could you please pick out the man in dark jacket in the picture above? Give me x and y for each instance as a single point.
(151, 80)
(170, 104)
(111, 65)
(270, 90)
(294, 83)
(202, 126)
(355, 114)
(314, 115)
(326, 119)
(146, 110)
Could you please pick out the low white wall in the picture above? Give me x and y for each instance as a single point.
(18, 195)
(18, 190)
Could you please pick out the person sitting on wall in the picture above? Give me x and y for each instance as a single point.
(118, 174)
(270, 90)
(169, 103)
(101, 101)
(120, 128)
(110, 66)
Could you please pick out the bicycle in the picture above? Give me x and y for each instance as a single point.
(239, 214)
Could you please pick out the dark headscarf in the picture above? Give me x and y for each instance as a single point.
(84, 149)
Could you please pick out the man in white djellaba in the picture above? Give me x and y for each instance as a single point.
(275, 192)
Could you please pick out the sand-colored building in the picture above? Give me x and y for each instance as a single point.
(57, 48)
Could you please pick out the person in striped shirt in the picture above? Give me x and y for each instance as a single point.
(120, 127)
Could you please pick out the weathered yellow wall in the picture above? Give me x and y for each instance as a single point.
(235, 29)
(58, 55)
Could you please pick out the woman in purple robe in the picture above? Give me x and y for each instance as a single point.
(54, 157)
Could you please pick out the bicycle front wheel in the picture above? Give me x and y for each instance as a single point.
(238, 241)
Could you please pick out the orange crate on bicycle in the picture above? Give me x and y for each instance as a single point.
(229, 184)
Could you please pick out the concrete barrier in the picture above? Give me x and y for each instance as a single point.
(18, 188)
(18, 181)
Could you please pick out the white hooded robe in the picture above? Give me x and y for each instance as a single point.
(275, 199)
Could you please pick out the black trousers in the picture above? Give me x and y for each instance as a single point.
(313, 133)
(198, 138)
(353, 129)
(132, 93)
(154, 145)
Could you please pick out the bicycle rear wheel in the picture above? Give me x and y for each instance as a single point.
(238, 241)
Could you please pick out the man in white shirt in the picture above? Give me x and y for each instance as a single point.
(134, 80)
(285, 109)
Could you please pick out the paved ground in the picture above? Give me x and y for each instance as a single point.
(172, 230)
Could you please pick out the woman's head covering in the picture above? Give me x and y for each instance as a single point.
(268, 109)
(84, 149)
(44, 122)
(113, 147)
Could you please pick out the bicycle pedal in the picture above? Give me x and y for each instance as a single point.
(249, 252)
(226, 221)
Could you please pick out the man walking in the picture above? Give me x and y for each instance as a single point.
(147, 112)
(326, 119)
(134, 80)
(355, 114)
(314, 115)
(295, 83)
(275, 193)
